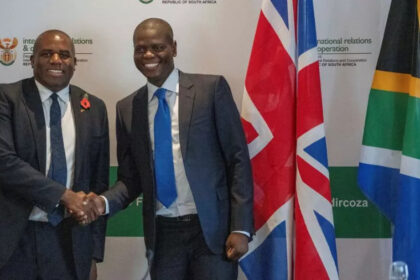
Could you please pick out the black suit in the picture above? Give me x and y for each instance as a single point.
(23, 183)
(214, 153)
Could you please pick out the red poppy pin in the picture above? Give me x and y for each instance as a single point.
(84, 103)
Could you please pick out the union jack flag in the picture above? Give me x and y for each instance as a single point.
(283, 121)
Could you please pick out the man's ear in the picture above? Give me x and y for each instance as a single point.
(32, 61)
(174, 48)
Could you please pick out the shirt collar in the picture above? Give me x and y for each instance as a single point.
(171, 84)
(45, 93)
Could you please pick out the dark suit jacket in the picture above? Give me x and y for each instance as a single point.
(214, 152)
(22, 167)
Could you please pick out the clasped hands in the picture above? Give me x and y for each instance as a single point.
(84, 208)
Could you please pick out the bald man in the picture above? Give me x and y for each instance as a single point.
(54, 148)
(181, 145)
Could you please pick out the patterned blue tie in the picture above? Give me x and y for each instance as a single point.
(58, 165)
(164, 165)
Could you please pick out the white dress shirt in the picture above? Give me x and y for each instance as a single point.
(69, 137)
(184, 203)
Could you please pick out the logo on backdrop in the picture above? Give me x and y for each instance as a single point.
(146, 1)
(346, 51)
(7, 52)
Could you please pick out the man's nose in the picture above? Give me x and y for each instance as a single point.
(149, 53)
(55, 58)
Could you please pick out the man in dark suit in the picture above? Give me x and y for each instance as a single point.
(54, 148)
(181, 144)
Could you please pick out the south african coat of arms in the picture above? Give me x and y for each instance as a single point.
(7, 52)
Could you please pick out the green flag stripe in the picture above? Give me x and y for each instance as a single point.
(412, 130)
(385, 119)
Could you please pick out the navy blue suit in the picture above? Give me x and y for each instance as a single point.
(214, 152)
(23, 183)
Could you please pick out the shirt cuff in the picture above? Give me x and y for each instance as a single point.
(243, 232)
(106, 205)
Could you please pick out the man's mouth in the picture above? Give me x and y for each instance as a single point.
(151, 66)
(54, 72)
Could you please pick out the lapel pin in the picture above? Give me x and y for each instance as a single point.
(84, 103)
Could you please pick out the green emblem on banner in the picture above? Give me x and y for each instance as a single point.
(146, 1)
(354, 215)
(128, 222)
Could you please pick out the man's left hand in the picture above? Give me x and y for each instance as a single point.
(93, 271)
(236, 246)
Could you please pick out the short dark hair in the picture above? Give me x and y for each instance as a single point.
(153, 22)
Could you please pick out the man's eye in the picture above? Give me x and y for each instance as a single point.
(141, 50)
(45, 54)
(64, 55)
(158, 48)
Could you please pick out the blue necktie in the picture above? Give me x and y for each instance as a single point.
(164, 165)
(58, 165)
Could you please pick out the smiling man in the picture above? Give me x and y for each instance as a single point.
(181, 145)
(54, 148)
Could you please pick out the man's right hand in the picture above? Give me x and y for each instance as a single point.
(84, 208)
(96, 205)
(74, 203)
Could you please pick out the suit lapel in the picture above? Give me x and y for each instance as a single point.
(75, 97)
(140, 142)
(36, 116)
(186, 102)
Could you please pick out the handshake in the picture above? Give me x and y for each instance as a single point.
(84, 208)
